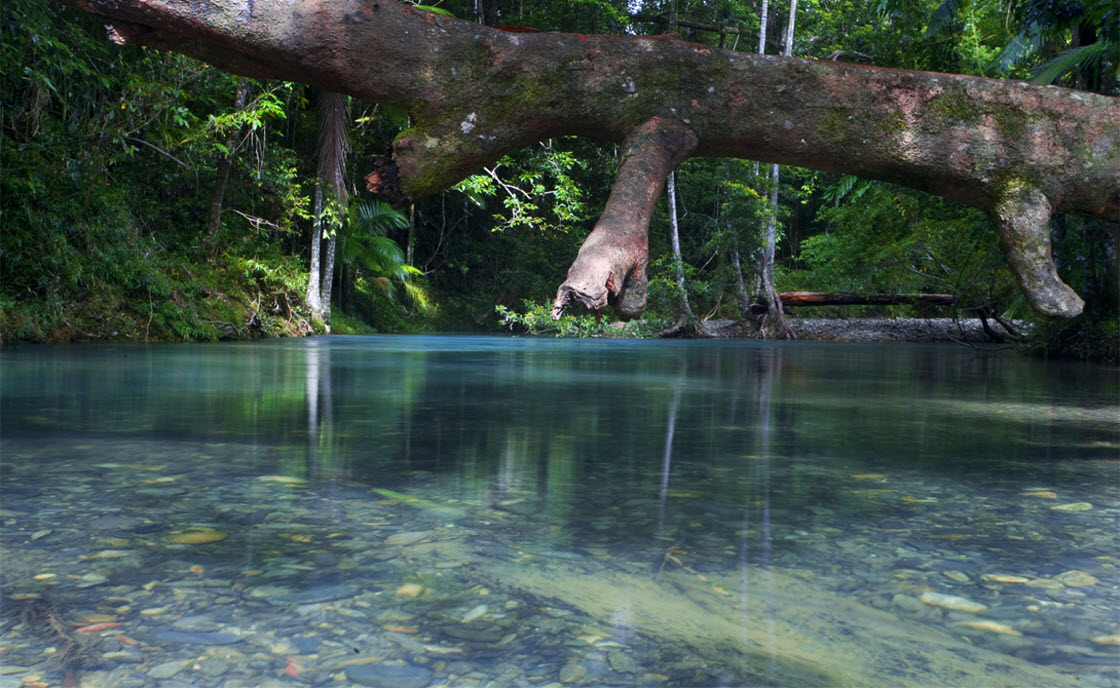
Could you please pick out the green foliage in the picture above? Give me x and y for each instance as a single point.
(538, 191)
(435, 10)
(379, 260)
(884, 238)
(1068, 41)
(536, 319)
(1085, 251)
(111, 156)
(109, 161)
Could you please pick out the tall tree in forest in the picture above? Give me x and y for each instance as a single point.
(333, 146)
(226, 162)
(774, 322)
(675, 241)
(674, 227)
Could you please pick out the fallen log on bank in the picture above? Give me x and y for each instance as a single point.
(848, 298)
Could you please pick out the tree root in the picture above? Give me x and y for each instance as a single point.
(687, 329)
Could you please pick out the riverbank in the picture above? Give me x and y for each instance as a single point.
(869, 330)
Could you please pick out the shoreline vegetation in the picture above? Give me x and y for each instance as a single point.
(148, 197)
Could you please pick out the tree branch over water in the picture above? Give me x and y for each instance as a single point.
(1019, 152)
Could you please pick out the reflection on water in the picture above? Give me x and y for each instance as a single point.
(467, 511)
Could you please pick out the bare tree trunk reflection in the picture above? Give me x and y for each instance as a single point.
(769, 369)
(319, 406)
(667, 457)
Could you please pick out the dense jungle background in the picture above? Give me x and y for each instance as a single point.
(146, 196)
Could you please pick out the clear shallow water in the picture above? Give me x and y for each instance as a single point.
(470, 511)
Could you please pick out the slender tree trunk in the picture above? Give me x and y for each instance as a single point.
(674, 229)
(226, 162)
(312, 297)
(742, 297)
(332, 148)
(328, 279)
(763, 18)
(675, 239)
(775, 322)
(411, 233)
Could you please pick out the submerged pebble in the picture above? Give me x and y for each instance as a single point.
(990, 626)
(1073, 507)
(199, 638)
(196, 538)
(167, 669)
(953, 602)
(1076, 579)
(621, 662)
(388, 675)
(572, 671)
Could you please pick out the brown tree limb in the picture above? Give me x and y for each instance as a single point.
(613, 262)
(1019, 152)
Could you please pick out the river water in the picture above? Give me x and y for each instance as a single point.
(475, 511)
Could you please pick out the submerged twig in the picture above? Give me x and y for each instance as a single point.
(43, 616)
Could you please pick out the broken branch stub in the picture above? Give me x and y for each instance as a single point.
(612, 265)
(1022, 219)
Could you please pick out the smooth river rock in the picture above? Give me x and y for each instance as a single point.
(953, 602)
(389, 675)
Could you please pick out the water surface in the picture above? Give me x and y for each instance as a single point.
(466, 511)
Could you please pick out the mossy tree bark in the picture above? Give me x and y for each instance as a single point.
(1018, 151)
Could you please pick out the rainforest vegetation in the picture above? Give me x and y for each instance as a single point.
(147, 196)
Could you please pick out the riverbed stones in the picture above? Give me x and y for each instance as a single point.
(380, 675)
(1004, 578)
(953, 602)
(409, 590)
(990, 626)
(621, 662)
(572, 672)
(195, 622)
(407, 538)
(196, 538)
(1076, 579)
(286, 597)
(199, 638)
(1073, 507)
(167, 669)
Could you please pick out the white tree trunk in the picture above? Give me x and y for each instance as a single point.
(328, 280)
(775, 317)
(742, 297)
(675, 239)
(312, 297)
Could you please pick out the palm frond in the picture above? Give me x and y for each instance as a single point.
(1067, 61)
(376, 219)
(1021, 48)
(943, 17)
(418, 295)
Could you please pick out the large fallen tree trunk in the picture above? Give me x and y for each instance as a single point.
(1018, 151)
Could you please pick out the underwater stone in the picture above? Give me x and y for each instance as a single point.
(388, 676)
(953, 602)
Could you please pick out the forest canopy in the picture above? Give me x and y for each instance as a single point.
(146, 195)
